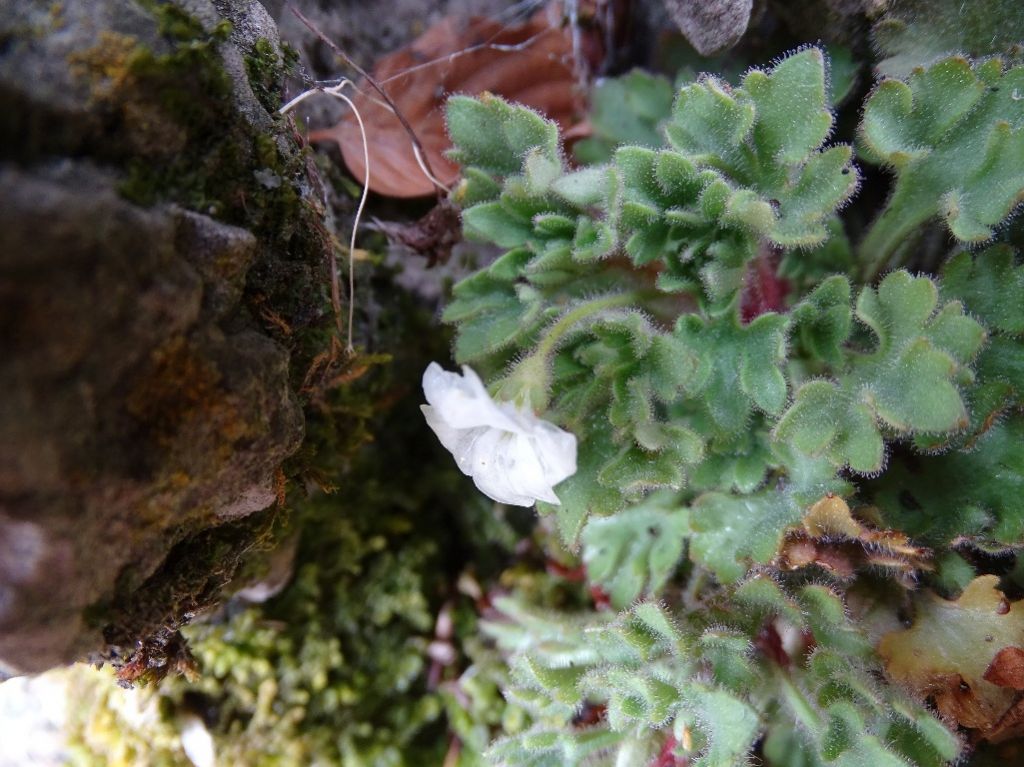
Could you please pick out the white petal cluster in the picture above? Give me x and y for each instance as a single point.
(512, 456)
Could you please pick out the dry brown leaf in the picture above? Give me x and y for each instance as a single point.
(433, 236)
(453, 56)
(832, 539)
(1007, 668)
(949, 652)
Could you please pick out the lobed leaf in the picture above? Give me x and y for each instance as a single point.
(907, 385)
(743, 364)
(939, 498)
(625, 110)
(731, 532)
(990, 285)
(766, 136)
(915, 33)
(951, 652)
(633, 553)
(954, 136)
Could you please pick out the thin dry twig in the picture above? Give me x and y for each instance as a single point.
(451, 57)
(417, 146)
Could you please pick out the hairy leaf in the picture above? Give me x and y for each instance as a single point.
(731, 532)
(939, 498)
(767, 135)
(634, 552)
(914, 33)
(954, 136)
(745, 365)
(906, 385)
(626, 110)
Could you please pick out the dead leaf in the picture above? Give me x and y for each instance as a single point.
(948, 652)
(832, 539)
(531, 63)
(433, 236)
(1007, 668)
(1010, 726)
(831, 516)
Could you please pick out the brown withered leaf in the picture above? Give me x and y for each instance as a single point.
(1007, 668)
(831, 538)
(531, 63)
(433, 236)
(949, 653)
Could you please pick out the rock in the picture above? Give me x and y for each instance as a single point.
(130, 413)
(711, 26)
(152, 289)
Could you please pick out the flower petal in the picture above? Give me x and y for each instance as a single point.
(512, 456)
(494, 467)
(556, 449)
(458, 442)
(462, 401)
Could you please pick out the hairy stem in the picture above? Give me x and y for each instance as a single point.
(889, 231)
(566, 323)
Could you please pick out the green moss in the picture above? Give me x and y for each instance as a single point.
(265, 69)
(177, 135)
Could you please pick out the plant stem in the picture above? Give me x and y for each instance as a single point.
(564, 324)
(798, 705)
(889, 231)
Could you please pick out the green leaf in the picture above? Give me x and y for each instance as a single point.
(589, 186)
(540, 747)
(625, 110)
(824, 420)
(656, 620)
(729, 725)
(729, 655)
(634, 471)
(581, 494)
(494, 222)
(732, 532)
(745, 365)
(843, 73)
(490, 134)
(826, 615)
(592, 240)
(504, 321)
(806, 267)
(907, 384)
(954, 137)
(633, 553)
(762, 598)
(976, 493)
(674, 367)
(791, 119)
(737, 462)
(823, 320)
(710, 124)
(729, 532)
(990, 285)
(766, 137)
(915, 33)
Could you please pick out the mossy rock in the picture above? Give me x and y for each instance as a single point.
(162, 268)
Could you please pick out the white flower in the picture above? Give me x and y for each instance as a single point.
(512, 456)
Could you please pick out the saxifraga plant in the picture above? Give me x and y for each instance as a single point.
(779, 481)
